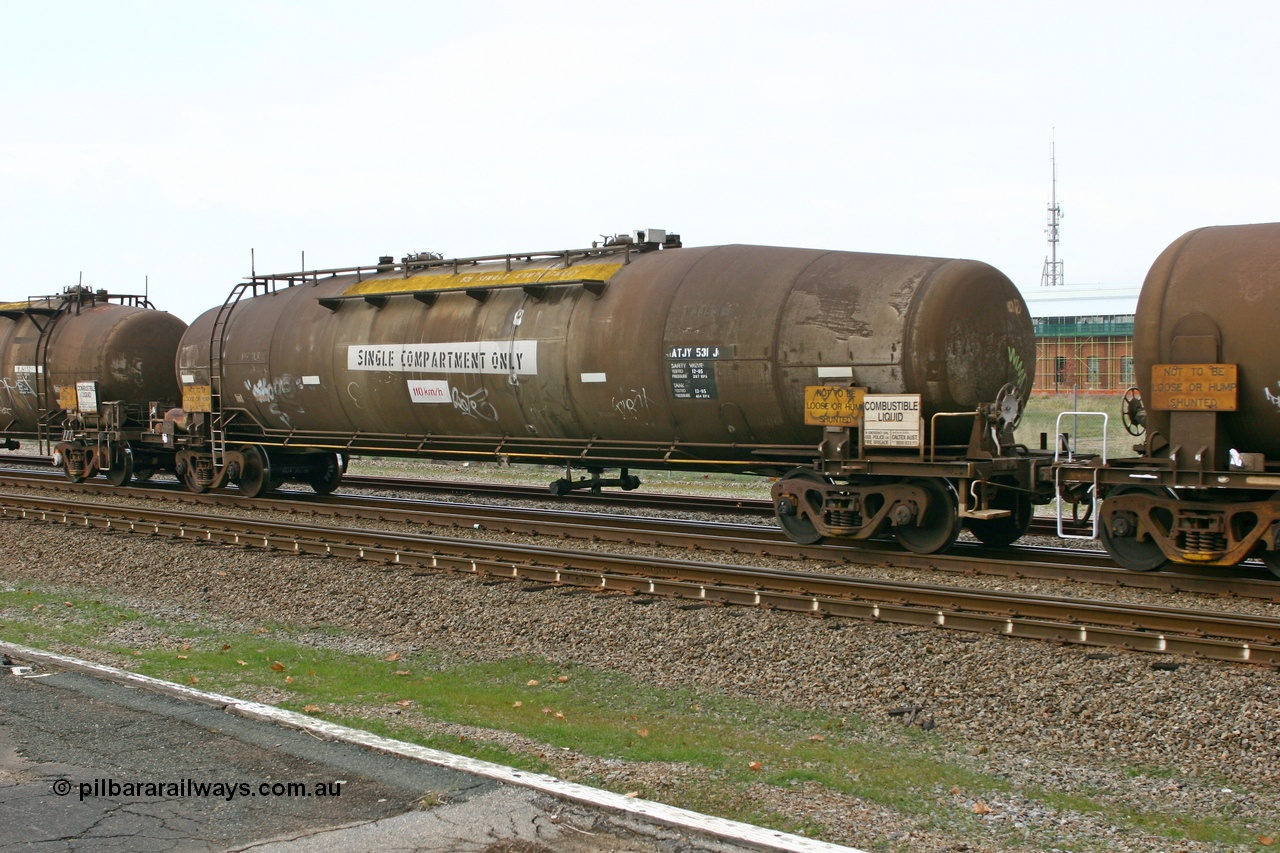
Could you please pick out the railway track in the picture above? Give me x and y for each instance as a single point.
(967, 559)
(1217, 636)
(613, 498)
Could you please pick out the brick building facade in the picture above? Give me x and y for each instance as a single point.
(1084, 338)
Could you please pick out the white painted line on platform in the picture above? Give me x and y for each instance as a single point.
(700, 824)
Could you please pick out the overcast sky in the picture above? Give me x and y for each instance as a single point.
(167, 139)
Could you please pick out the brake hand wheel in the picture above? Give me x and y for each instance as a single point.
(1133, 414)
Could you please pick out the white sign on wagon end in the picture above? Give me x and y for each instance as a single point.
(891, 420)
(87, 396)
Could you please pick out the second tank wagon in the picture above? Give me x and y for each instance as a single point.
(1206, 488)
(82, 359)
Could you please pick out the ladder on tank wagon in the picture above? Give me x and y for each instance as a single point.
(218, 418)
(46, 417)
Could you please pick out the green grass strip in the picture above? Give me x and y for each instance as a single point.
(711, 752)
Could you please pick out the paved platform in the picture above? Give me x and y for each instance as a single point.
(94, 758)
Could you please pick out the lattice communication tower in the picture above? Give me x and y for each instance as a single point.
(1053, 274)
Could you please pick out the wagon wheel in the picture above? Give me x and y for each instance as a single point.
(121, 466)
(143, 473)
(938, 526)
(1271, 559)
(327, 475)
(1125, 548)
(999, 532)
(255, 474)
(798, 527)
(1133, 414)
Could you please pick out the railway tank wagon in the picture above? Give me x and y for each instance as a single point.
(1206, 489)
(635, 354)
(85, 360)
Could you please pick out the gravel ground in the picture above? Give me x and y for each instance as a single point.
(1200, 739)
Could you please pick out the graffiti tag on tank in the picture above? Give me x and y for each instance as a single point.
(1273, 399)
(126, 370)
(272, 390)
(277, 394)
(634, 404)
(274, 408)
(8, 388)
(353, 391)
(475, 405)
(1019, 369)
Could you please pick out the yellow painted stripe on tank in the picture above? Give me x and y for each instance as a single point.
(14, 306)
(481, 277)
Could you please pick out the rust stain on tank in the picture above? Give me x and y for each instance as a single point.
(844, 317)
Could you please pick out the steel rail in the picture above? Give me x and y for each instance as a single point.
(1021, 562)
(1217, 636)
(516, 491)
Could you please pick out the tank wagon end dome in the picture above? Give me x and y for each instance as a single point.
(971, 334)
(1213, 296)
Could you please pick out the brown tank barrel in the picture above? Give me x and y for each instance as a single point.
(1213, 296)
(128, 350)
(712, 344)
